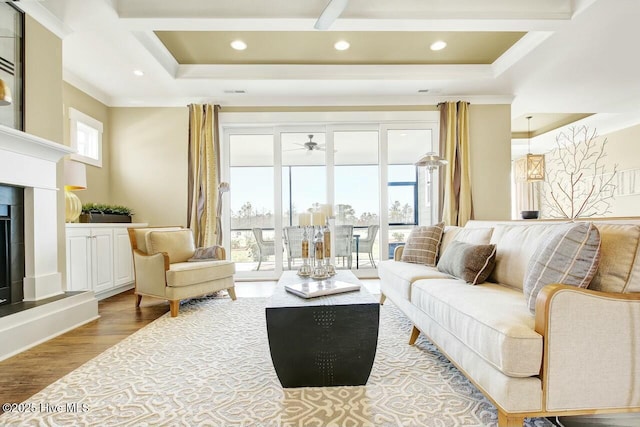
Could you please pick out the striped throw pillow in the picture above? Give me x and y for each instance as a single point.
(423, 244)
(569, 256)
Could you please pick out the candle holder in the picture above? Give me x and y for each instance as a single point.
(305, 270)
(319, 270)
(326, 235)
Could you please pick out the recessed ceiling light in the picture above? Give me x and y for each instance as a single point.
(138, 73)
(439, 45)
(238, 45)
(342, 45)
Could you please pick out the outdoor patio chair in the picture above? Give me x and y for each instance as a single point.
(344, 243)
(265, 247)
(366, 245)
(293, 243)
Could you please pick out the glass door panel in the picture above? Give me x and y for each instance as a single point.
(304, 179)
(409, 193)
(357, 194)
(252, 202)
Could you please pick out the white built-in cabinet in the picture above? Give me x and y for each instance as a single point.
(99, 258)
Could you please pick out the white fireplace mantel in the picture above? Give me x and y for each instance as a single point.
(30, 162)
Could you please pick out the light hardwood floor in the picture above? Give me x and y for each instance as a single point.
(29, 372)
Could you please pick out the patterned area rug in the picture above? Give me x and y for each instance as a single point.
(211, 366)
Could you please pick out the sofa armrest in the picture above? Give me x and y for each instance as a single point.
(591, 348)
(150, 271)
(397, 253)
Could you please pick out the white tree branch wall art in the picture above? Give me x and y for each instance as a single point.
(577, 183)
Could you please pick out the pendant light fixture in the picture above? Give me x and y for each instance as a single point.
(535, 162)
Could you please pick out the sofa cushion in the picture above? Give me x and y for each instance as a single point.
(570, 256)
(471, 263)
(400, 275)
(476, 236)
(191, 273)
(515, 244)
(422, 245)
(491, 320)
(619, 258)
(178, 244)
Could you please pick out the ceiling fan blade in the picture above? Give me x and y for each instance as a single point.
(330, 13)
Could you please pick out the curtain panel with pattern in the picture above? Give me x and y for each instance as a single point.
(204, 174)
(457, 203)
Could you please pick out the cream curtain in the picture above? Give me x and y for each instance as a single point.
(457, 203)
(204, 173)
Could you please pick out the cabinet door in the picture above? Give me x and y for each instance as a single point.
(122, 257)
(102, 258)
(78, 259)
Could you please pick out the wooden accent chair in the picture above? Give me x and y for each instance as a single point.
(163, 270)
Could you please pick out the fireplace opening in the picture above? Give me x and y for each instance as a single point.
(11, 244)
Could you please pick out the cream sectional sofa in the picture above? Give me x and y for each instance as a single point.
(579, 354)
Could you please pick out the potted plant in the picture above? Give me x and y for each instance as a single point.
(98, 212)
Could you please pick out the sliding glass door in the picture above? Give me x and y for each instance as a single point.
(365, 172)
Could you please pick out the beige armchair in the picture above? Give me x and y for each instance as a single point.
(162, 269)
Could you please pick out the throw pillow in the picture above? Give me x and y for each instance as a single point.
(178, 244)
(570, 256)
(206, 254)
(422, 245)
(469, 262)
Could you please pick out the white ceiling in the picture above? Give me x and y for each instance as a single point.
(578, 55)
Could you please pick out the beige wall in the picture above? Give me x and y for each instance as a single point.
(490, 139)
(149, 163)
(623, 149)
(43, 82)
(43, 103)
(98, 179)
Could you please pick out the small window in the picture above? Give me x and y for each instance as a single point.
(86, 138)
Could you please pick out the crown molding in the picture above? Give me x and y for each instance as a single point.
(158, 50)
(40, 13)
(519, 50)
(333, 72)
(78, 82)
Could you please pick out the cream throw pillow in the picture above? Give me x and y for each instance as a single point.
(570, 256)
(423, 244)
(177, 244)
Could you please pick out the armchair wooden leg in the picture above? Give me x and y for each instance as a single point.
(508, 420)
(175, 307)
(232, 293)
(138, 300)
(383, 298)
(415, 332)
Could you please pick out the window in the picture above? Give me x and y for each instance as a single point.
(86, 138)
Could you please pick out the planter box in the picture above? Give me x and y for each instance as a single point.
(101, 218)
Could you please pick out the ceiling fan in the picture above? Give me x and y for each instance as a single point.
(309, 146)
(330, 13)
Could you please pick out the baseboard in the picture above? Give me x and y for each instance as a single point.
(28, 328)
(114, 291)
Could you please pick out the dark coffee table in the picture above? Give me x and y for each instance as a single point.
(324, 341)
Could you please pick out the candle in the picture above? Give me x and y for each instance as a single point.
(327, 210)
(304, 219)
(317, 218)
